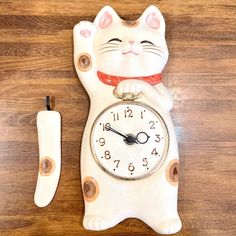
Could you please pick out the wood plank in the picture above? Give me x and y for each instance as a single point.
(55, 7)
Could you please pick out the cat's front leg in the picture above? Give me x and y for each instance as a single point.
(157, 95)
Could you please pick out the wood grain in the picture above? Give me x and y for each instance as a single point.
(36, 60)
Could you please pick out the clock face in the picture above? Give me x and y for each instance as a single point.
(129, 140)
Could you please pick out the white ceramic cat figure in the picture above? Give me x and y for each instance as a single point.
(109, 54)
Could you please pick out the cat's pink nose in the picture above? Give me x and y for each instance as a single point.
(131, 42)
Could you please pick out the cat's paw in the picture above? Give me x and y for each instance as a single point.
(84, 30)
(169, 227)
(93, 222)
(133, 86)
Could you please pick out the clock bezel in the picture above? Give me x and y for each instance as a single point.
(166, 149)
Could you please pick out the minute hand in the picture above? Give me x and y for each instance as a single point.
(108, 128)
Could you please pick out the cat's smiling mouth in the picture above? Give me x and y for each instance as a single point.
(130, 51)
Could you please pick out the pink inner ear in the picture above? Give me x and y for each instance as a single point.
(105, 20)
(153, 20)
(85, 33)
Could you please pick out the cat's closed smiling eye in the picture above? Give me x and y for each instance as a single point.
(114, 40)
(147, 42)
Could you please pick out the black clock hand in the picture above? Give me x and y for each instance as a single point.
(142, 137)
(129, 139)
(108, 128)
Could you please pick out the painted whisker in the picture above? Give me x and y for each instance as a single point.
(106, 47)
(153, 49)
(154, 46)
(112, 50)
(154, 53)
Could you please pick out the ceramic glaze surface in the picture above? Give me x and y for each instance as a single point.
(116, 59)
(49, 138)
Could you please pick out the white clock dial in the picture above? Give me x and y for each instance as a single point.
(129, 140)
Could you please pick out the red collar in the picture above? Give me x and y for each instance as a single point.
(115, 80)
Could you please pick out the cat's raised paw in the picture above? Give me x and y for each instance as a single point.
(169, 227)
(93, 222)
(84, 29)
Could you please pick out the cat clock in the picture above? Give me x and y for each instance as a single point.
(129, 155)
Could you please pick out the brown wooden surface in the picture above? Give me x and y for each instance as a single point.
(36, 60)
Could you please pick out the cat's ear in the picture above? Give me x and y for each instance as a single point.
(153, 18)
(106, 17)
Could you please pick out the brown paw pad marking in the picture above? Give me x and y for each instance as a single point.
(84, 62)
(130, 23)
(46, 166)
(172, 172)
(90, 189)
